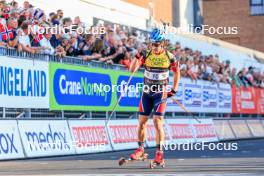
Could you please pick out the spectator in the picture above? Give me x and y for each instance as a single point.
(45, 43)
(86, 45)
(24, 40)
(26, 5)
(96, 52)
(60, 14)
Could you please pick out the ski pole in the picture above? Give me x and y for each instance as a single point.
(120, 97)
(185, 109)
(181, 106)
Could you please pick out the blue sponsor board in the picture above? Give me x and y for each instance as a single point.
(131, 96)
(81, 88)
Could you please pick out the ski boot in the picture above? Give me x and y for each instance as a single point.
(138, 155)
(158, 161)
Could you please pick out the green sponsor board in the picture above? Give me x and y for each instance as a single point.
(95, 89)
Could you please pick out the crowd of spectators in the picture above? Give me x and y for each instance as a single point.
(115, 46)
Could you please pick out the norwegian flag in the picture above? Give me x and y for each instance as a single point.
(7, 33)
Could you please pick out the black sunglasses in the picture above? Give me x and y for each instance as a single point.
(156, 44)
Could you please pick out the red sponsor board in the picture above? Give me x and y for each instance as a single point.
(204, 130)
(244, 100)
(90, 135)
(248, 100)
(124, 133)
(260, 103)
(181, 131)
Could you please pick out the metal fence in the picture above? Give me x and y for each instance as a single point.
(46, 113)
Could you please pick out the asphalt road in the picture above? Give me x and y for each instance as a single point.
(248, 159)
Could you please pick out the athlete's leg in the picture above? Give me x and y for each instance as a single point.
(158, 120)
(160, 135)
(142, 129)
(145, 107)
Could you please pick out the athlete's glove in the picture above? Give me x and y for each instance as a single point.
(140, 56)
(171, 93)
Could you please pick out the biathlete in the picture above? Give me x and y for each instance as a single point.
(157, 63)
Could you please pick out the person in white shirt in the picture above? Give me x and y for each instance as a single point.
(45, 43)
(24, 40)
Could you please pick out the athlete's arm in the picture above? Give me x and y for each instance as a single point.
(137, 62)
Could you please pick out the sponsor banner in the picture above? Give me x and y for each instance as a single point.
(24, 83)
(244, 100)
(224, 98)
(202, 96)
(10, 143)
(256, 128)
(223, 130)
(193, 97)
(171, 105)
(131, 96)
(151, 133)
(123, 134)
(46, 137)
(85, 88)
(204, 131)
(240, 129)
(89, 136)
(260, 100)
(210, 99)
(180, 130)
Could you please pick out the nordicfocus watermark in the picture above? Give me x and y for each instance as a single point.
(201, 29)
(57, 29)
(202, 146)
(59, 146)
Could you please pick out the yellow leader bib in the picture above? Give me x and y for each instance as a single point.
(158, 61)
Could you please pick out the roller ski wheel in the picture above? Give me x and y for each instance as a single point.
(123, 160)
(154, 164)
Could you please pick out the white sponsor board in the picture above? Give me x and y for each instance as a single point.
(193, 97)
(123, 134)
(204, 131)
(24, 83)
(46, 137)
(210, 99)
(151, 134)
(256, 128)
(172, 105)
(240, 129)
(223, 130)
(90, 136)
(224, 98)
(10, 143)
(180, 130)
(201, 96)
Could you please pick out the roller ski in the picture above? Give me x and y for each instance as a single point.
(158, 161)
(138, 155)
